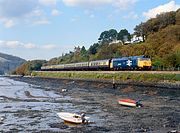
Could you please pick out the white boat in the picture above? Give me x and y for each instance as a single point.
(73, 118)
(2, 118)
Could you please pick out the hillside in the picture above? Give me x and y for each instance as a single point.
(161, 41)
(162, 46)
(9, 63)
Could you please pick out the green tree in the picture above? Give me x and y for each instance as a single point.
(157, 63)
(29, 66)
(155, 24)
(83, 50)
(36, 65)
(104, 36)
(173, 59)
(108, 36)
(112, 35)
(104, 52)
(140, 30)
(178, 17)
(124, 35)
(162, 36)
(166, 19)
(84, 54)
(93, 48)
(52, 61)
(114, 50)
(76, 54)
(161, 21)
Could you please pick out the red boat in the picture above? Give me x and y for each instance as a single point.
(130, 103)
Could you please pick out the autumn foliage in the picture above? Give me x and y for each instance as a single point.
(161, 41)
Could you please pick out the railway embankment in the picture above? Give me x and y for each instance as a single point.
(140, 78)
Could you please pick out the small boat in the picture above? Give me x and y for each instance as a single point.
(64, 90)
(174, 131)
(73, 118)
(2, 118)
(130, 103)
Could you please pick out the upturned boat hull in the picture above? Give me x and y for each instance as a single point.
(129, 102)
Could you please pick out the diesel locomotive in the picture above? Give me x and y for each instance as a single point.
(124, 63)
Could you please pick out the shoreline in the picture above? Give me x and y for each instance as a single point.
(99, 100)
(166, 85)
(170, 80)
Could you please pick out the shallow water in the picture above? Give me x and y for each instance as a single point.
(31, 104)
(28, 107)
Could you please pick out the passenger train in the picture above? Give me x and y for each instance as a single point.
(124, 63)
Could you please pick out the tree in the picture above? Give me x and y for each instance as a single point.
(103, 36)
(84, 54)
(114, 50)
(52, 61)
(83, 51)
(155, 24)
(22, 70)
(161, 21)
(173, 59)
(162, 36)
(124, 35)
(36, 65)
(108, 36)
(29, 66)
(140, 30)
(112, 35)
(76, 56)
(105, 52)
(93, 48)
(157, 62)
(166, 19)
(178, 17)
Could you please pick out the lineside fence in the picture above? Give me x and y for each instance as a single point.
(162, 68)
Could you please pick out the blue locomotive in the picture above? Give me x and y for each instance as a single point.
(131, 63)
(124, 63)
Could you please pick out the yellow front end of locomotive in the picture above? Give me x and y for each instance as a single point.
(144, 64)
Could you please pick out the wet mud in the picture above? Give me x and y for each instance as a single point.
(30, 105)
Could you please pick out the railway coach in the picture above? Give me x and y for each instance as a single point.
(100, 65)
(53, 67)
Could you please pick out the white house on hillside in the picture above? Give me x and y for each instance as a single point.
(116, 41)
(136, 39)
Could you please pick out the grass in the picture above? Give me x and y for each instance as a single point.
(124, 76)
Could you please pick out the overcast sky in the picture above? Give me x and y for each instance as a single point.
(43, 29)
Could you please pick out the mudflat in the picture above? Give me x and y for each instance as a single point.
(30, 105)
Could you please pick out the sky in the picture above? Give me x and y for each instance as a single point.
(44, 29)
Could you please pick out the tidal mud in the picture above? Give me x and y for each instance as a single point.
(30, 105)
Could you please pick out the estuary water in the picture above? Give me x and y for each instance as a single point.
(28, 107)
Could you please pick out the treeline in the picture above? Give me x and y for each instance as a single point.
(29, 66)
(160, 40)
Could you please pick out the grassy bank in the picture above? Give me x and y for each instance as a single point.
(122, 76)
